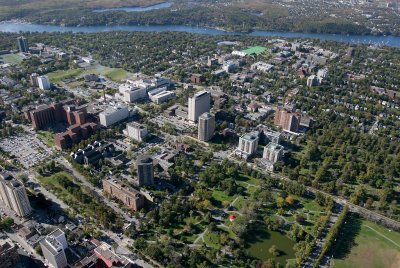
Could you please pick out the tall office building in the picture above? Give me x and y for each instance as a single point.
(13, 195)
(199, 104)
(23, 44)
(206, 126)
(53, 246)
(43, 82)
(145, 171)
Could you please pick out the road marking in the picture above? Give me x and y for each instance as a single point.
(382, 235)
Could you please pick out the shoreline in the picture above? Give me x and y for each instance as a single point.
(369, 39)
(222, 29)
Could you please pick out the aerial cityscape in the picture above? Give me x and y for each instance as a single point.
(224, 133)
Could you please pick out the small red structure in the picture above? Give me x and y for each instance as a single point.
(232, 217)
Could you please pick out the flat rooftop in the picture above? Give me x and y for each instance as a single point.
(200, 93)
(250, 136)
(274, 146)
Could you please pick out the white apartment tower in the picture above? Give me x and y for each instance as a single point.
(273, 152)
(43, 82)
(206, 126)
(13, 195)
(53, 246)
(248, 144)
(199, 104)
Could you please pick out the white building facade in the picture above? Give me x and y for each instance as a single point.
(53, 246)
(136, 131)
(130, 93)
(273, 152)
(43, 82)
(199, 104)
(113, 115)
(248, 144)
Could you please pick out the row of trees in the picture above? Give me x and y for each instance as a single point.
(332, 235)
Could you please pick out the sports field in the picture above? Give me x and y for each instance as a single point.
(367, 245)
(12, 59)
(115, 74)
(254, 50)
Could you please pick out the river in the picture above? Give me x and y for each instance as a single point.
(16, 27)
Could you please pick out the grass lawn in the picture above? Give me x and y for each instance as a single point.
(211, 239)
(311, 205)
(12, 59)
(367, 245)
(254, 50)
(239, 203)
(221, 196)
(58, 76)
(193, 220)
(116, 74)
(248, 179)
(185, 235)
(53, 183)
(47, 137)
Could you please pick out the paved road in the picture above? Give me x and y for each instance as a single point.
(61, 160)
(200, 237)
(27, 248)
(122, 241)
(340, 200)
(316, 251)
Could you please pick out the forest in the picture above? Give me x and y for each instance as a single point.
(233, 17)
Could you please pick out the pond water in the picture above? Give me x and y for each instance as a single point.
(260, 240)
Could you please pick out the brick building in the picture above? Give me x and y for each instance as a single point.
(287, 119)
(67, 112)
(131, 198)
(75, 134)
(45, 115)
(197, 78)
(104, 257)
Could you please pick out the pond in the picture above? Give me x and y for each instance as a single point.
(260, 240)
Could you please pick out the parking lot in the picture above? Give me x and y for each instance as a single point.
(180, 124)
(26, 148)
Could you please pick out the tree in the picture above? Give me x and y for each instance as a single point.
(274, 251)
(289, 200)
(155, 252)
(6, 223)
(280, 202)
(38, 250)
